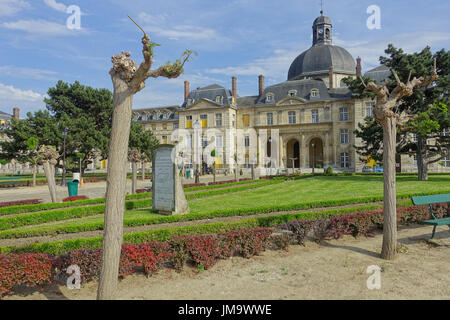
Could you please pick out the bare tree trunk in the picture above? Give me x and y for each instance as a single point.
(253, 171)
(49, 171)
(134, 178)
(236, 172)
(422, 164)
(143, 170)
(389, 249)
(115, 190)
(34, 175)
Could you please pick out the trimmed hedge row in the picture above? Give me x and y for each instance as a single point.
(59, 247)
(63, 214)
(50, 206)
(204, 251)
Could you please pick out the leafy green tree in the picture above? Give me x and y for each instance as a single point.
(86, 113)
(431, 144)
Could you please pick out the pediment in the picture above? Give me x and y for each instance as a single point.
(290, 101)
(204, 104)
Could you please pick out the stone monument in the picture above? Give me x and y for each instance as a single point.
(167, 190)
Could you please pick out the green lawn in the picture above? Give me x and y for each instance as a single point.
(318, 188)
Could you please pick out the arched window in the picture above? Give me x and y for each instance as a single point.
(292, 93)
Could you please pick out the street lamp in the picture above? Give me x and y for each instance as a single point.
(196, 147)
(63, 182)
(313, 145)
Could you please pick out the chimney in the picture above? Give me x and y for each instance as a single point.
(234, 88)
(358, 67)
(186, 90)
(16, 113)
(331, 77)
(261, 84)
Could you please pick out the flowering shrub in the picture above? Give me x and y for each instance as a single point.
(202, 249)
(25, 269)
(74, 198)
(281, 241)
(190, 185)
(19, 203)
(223, 182)
(146, 190)
(89, 261)
(250, 242)
(300, 229)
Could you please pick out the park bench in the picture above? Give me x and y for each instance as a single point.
(430, 200)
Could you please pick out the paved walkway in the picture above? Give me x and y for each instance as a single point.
(91, 190)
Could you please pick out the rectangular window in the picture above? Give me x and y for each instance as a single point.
(270, 119)
(246, 120)
(204, 120)
(204, 141)
(219, 141)
(446, 132)
(292, 117)
(343, 114)
(188, 122)
(164, 126)
(345, 136)
(175, 125)
(247, 141)
(369, 108)
(345, 160)
(315, 116)
(218, 119)
(446, 161)
(415, 161)
(153, 127)
(164, 139)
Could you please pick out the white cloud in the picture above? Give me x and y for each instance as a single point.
(41, 27)
(370, 51)
(28, 73)
(160, 25)
(11, 7)
(56, 6)
(10, 93)
(276, 66)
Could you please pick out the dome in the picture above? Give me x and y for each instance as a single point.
(322, 20)
(319, 58)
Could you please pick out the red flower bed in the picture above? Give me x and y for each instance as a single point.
(19, 203)
(146, 190)
(221, 182)
(74, 198)
(190, 185)
(25, 269)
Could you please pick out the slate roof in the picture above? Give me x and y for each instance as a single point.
(210, 93)
(5, 116)
(380, 73)
(319, 58)
(156, 114)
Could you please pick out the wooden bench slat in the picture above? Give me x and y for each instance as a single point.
(437, 198)
(438, 222)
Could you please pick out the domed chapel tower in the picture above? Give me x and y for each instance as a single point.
(323, 61)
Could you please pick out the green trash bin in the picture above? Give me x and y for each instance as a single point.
(188, 174)
(73, 188)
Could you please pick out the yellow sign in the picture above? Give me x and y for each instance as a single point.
(370, 162)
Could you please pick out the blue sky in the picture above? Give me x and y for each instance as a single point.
(242, 38)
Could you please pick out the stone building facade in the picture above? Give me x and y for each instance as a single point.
(312, 115)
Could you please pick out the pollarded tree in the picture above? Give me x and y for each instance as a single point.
(47, 157)
(385, 114)
(128, 79)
